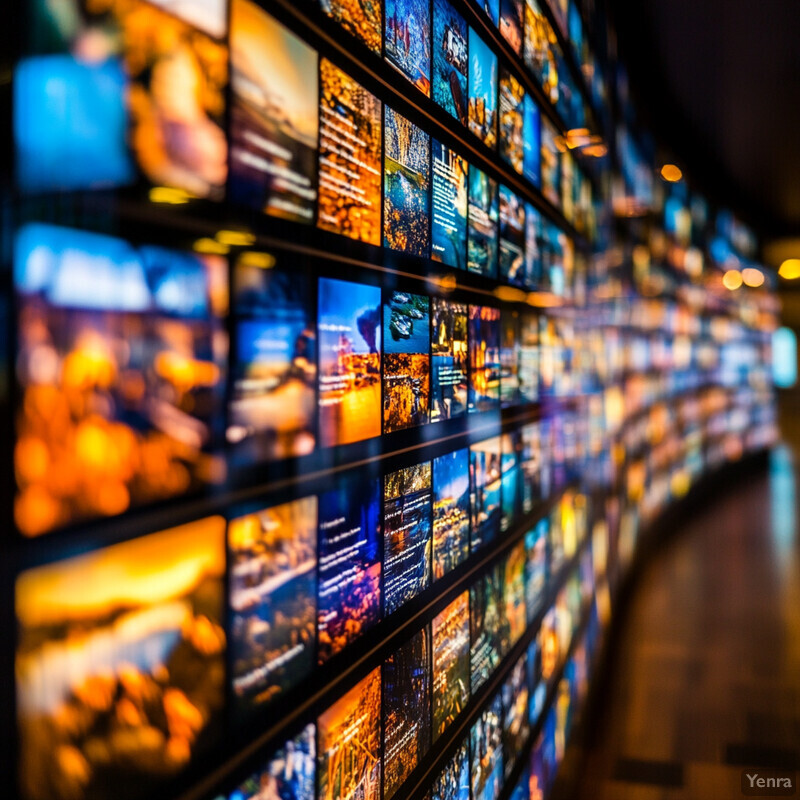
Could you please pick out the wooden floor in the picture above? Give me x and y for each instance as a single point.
(707, 669)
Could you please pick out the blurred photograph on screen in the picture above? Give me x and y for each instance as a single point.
(406, 361)
(407, 44)
(349, 328)
(360, 18)
(536, 567)
(451, 510)
(532, 277)
(516, 726)
(407, 511)
(349, 755)
(537, 688)
(484, 358)
(453, 782)
(120, 664)
(450, 60)
(483, 215)
(515, 592)
(531, 464)
(273, 600)
(449, 207)
(541, 49)
(349, 157)
(275, 116)
(511, 479)
(522, 789)
(487, 751)
(537, 784)
(512, 238)
(485, 489)
(289, 774)
(123, 82)
(482, 90)
(531, 150)
(509, 358)
(272, 412)
(492, 10)
(450, 663)
(406, 710)
(349, 564)
(511, 23)
(406, 184)
(449, 357)
(550, 162)
(489, 630)
(512, 99)
(121, 365)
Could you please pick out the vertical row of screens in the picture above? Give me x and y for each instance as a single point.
(305, 139)
(122, 652)
(124, 359)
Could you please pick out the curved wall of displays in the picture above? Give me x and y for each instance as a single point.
(349, 347)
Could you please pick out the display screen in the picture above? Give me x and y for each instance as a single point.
(273, 599)
(530, 463)
(515, 592)
(349, 157)
(511, 479)
(349, 362)
(511, 23)
(274, 117)
(536, 569)
(531, 150)
(533, 254)
(449, 348)
(487, 752)
(451, 511)
(509, 358)
(124, 346)
(272, 411)
(541, 49)
(485, 491)
(450, 60)
(551, 163)
(349, 564)
(512, 100)
(115, 85)
(408, 36)
(489, 631)
(516, 726)
(512, 238)
(406, 361)
(453, 782)
(484, 358)
(451, 671)
(450, 201)
(483, 214)
(407, 511)
(406, 710)
(360, 18)
(99, 632)
(537, 688)
(406, 184)
(482, 90)
(349, 755)
(289, 774)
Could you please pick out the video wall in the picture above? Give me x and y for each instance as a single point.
(350, 348)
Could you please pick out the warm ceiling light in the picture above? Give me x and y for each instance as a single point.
(671, 173)
(259, 260)
(168, 196)
(211, 247)
(790, 269)
(753, 277)
(236, 238)
(732, 279)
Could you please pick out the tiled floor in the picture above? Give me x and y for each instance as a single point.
(707, 674)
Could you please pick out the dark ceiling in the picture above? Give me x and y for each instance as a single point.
(719, 80)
